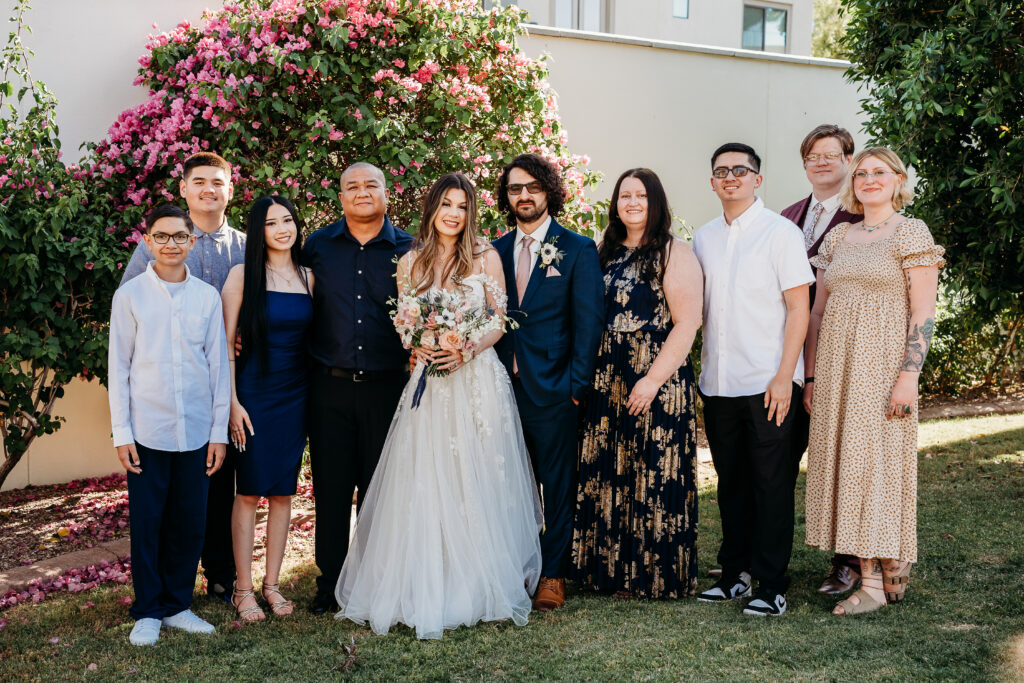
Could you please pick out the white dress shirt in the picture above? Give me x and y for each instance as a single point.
(747, 266)
(538, 235)
(829, 208)
(169, 382)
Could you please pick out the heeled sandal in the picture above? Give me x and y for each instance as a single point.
(237, 596)
(865, 603)
(896, 584)
(276, 606)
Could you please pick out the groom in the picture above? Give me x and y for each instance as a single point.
(556, 294)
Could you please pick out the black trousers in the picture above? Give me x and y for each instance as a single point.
(217, 559)
(550, 433)
(349, 423)
(754, 461)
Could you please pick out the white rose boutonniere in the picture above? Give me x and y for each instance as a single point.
(549, 253)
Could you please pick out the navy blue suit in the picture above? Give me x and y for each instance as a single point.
(560, 322)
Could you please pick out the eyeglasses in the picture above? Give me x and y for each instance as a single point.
(162, 237)
(516, 189)
(814, 157)
(877, 175)
(737, 171)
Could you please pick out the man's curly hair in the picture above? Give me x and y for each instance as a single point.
(546, 173)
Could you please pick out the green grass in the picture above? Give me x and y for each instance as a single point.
(962, 619)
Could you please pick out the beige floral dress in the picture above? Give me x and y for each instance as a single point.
(862, 468)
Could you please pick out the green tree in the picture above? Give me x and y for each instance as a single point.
(830, 22)
(944, 84)
(55, 261)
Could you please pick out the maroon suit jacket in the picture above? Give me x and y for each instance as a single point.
(797, 212)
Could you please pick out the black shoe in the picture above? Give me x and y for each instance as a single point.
(766, 603)
(322, 604)
(218, 591)
(727, 589)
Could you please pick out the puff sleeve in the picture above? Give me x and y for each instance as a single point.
(828, 246)
(916, 247)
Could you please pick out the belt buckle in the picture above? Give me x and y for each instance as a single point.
(357, 378)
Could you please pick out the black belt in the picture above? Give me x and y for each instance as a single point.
(361, 375)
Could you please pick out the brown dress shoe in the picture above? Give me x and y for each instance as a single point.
(841, 579)
(550, 594)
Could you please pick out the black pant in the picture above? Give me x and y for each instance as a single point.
(218, 560)
(349, 422)
(550, 433)
(753, 459)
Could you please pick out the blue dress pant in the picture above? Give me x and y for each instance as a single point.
(551, 433)
(167, 520)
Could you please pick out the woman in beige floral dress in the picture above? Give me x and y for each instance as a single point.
(871, 326)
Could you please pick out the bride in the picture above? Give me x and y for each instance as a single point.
(448, 532)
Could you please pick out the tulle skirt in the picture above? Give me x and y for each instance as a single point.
(448, 530)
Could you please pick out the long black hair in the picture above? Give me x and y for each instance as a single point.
(651, 254)
(252, 318)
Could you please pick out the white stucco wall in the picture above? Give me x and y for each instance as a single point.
(625, 102)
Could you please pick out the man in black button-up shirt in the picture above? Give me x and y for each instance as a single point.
(359, 365)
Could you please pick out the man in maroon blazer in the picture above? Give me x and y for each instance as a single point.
(826, 153)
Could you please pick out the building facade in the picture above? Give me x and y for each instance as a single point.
(762, 25)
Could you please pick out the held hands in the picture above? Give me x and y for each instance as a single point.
(778, 397)
(808, 395)
(236, 425)
(903, 398)
(443, 360)
(129, 458)
(215, 457)
(642, 395)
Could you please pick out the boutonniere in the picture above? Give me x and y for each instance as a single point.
(549, 253)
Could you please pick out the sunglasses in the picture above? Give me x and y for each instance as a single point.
(515, 189)
(737, 171)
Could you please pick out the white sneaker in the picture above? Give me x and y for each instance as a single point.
(766, 603)
(187, 621)
(145, 632)
(725, 589)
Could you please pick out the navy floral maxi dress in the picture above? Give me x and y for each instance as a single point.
(636, 508)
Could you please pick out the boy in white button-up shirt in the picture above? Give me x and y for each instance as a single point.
(756, 279)
(170, 398)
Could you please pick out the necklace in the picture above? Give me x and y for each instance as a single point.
(277, 274)
(871, 228)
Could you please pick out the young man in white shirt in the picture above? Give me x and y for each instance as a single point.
(756, 279)
(826, 153)
(170, 398)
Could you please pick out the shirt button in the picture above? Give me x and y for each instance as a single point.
(360, 322)
(359, 296)
(361, 248)
(360, 272)
(360, 348)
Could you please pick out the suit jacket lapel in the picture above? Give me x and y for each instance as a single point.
(841, 216)
(505, 246)
(802, 213)
(538, 274)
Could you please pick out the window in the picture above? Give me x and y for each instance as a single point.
(764, 28)
(681, 9)
(585, 15)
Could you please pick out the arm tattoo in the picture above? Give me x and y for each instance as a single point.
(918, 341)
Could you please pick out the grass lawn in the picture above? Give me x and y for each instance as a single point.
(962, 618)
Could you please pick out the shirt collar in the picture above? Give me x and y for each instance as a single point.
(152, 273)
(539, 235)
(828, 205)
(217, 235)
(747, 217)
(388, 232)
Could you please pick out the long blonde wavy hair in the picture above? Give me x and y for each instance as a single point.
(458, 265)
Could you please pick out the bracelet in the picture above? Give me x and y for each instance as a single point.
(808, 380)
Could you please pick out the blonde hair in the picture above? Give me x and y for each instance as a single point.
(901, 195)
(458, 265)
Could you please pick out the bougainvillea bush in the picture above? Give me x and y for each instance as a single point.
(292, 92)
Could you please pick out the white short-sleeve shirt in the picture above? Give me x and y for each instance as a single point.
(747, 266)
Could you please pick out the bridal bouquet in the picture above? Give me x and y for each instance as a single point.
(438, 319)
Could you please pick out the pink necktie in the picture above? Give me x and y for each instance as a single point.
(816, 212)
(522, 280)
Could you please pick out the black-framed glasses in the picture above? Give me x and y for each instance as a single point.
(737, 171)
(516, 189)
(814, 157)
(877, 175)
(162, 237)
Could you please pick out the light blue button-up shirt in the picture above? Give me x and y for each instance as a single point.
(212, 256)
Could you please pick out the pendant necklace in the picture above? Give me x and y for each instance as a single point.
(277, 274)
(871, 228)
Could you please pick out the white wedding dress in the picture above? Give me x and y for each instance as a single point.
(448, 530)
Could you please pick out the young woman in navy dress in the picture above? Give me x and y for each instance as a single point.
(268, 303)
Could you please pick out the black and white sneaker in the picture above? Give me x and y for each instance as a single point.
(727, 589)
(766, 603)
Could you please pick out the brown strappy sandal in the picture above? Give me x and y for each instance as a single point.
(865, 603)
(276, 606)
(896, 584)
(255, 612)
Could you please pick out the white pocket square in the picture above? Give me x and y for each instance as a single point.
(553, 272)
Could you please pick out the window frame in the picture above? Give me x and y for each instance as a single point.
(764, 7)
